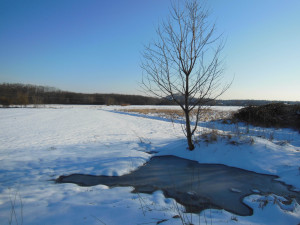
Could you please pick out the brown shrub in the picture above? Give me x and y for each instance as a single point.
(271, 115)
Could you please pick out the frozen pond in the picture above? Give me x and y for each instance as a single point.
(196, 186)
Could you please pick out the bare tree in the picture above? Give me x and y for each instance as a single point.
(184, 62)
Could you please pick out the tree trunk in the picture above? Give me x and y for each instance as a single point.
(189, 132)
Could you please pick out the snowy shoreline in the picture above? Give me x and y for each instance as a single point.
(40, 144)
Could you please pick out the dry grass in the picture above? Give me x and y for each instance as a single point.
(205, 114)
(210, 137)
(156, 111)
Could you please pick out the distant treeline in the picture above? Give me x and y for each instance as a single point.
(24, 94)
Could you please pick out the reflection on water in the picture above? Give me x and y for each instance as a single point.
(196, 186)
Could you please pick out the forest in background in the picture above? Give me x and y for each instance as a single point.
(25, 94)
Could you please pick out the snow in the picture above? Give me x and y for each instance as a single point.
(37, 145)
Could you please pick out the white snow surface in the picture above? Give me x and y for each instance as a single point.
(37, 145)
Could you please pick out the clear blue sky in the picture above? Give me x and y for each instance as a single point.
(95, 45)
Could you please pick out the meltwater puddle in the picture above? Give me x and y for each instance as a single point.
(196, 186)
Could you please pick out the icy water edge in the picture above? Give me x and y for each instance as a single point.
(194, 185)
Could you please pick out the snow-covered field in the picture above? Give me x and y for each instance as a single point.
(37, 145)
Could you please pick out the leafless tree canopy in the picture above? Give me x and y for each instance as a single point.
(185, 61)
